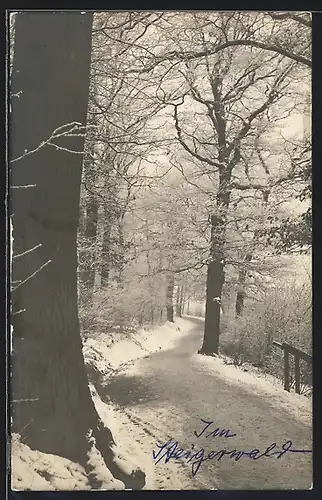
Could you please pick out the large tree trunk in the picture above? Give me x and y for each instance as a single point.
(215, 271)
(54, 410)
(215, 279)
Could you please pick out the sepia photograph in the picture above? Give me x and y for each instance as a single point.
(160, 219)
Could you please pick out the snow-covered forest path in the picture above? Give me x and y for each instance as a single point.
(167, 393)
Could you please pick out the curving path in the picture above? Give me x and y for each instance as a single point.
(167, 393)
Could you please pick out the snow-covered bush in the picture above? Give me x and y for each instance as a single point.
(283, 315)
(124, 306)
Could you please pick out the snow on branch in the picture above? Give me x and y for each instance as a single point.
(27, 400)
(73, 129)
(26, 251)
(31, 276)
(194, 152)
(294, 17)
(188, 56)
(19, 312)
(60, 148)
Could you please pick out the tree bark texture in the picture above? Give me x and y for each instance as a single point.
(54, 410)
(214, 286)
(215, 271)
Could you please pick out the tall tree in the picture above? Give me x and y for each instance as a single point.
(54, 410)
(223, 99)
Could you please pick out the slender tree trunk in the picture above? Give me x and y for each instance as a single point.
(87, 274)
(169, 297)
(239, 308)
(178, 292)
(54, 411)
(163, 305)
(87, 253)
(181, 301)
(152, 315)
(242, 274)
(106, 248)
(108, 221)
(121, 249)
(150, 305)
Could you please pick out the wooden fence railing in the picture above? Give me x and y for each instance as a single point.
(288, 349)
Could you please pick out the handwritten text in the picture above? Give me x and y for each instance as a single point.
(196, 456)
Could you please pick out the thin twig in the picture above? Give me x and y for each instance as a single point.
(65, 149)
(31, 276)
(27, 251)
(57, 133)
(27, 400)
(19, 312)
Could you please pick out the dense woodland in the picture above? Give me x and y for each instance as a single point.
(160, 166)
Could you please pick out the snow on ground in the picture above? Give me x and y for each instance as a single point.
(136, 440)
(130, 452)
(106, 352)
(134, 436)
(37, 471)
(266, 386)
(34, 470)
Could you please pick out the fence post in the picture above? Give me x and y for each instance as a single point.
(286, 369)
(298, 354)
(297, 374)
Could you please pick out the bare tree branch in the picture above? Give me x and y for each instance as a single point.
(195, 154)
(295, 17)
(31, 276)
(189, 56)
(27, 251)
